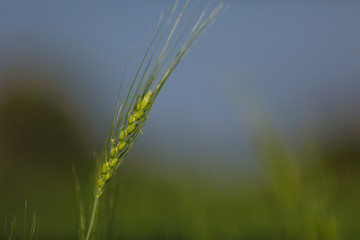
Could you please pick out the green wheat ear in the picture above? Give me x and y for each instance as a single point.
(155, 68)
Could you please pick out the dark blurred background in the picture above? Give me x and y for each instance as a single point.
(256, 135)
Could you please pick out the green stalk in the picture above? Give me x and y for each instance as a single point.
(130, 115)
(96, 201)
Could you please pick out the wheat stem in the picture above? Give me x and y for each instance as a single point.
(152, 73)
(96, 202)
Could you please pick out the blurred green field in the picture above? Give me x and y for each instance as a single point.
(307, 192)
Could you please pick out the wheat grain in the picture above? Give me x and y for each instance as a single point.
(150, 77)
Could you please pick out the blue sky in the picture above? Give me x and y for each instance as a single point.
(296, 60)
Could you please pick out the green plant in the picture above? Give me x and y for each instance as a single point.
(30, 233)
(133, 110)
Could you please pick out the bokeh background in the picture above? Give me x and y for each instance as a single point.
(256, 135)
